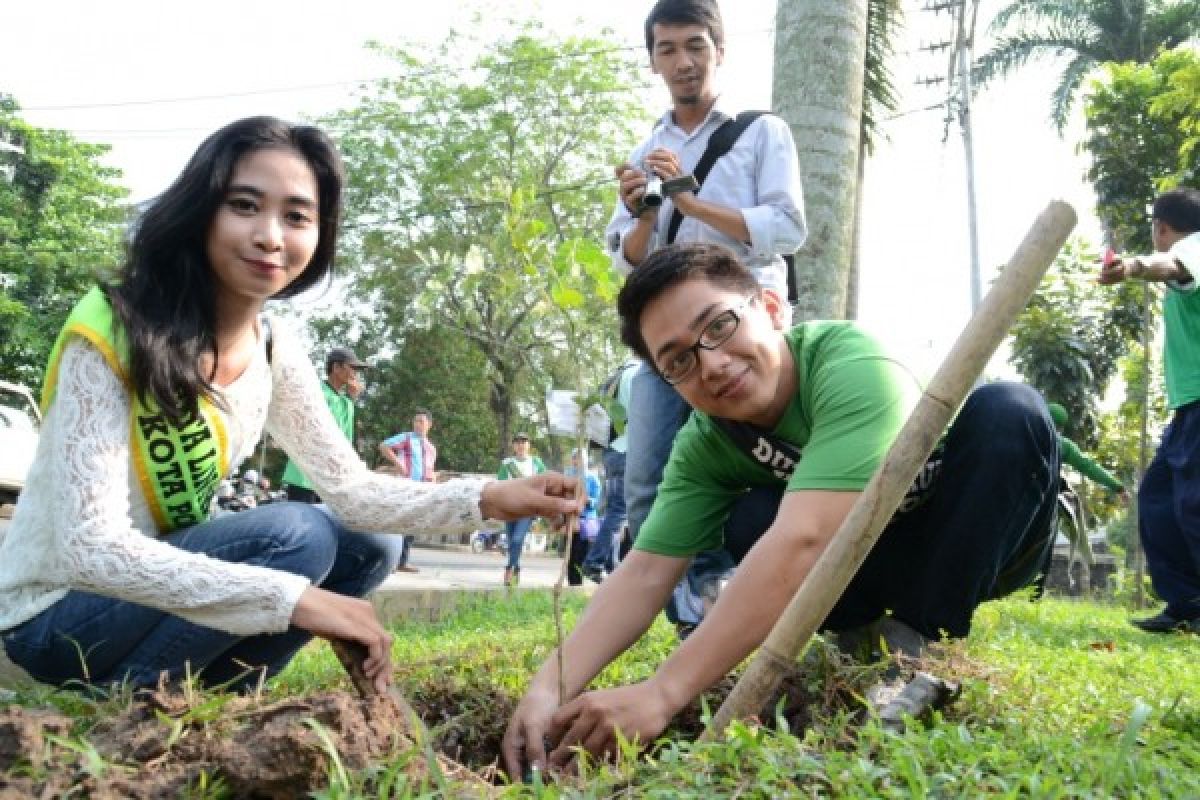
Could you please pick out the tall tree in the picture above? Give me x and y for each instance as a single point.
(820, 62)
(1087, 33)
(473, 150)
(1140, 123)
(884, 19)
(61, 217)
(1068, 341)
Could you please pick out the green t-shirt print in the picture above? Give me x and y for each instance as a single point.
(851, 400)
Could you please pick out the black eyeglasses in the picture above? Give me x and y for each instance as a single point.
(717, 332)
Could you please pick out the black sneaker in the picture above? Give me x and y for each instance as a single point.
(595, 574)
(864, 643)
(1163, 622)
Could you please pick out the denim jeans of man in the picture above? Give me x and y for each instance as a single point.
(1169, 515)
(600, 554)
(87, 638)
(982, 532)
(516, 531)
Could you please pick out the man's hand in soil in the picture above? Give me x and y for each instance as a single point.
(547, 495)
(523, 745)
(335, 616)
(640, 712)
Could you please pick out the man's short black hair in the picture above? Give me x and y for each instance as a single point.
(1179, 208)
(673, 265)
(686, 12)
(423, 412)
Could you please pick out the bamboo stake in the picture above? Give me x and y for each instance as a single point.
(874, 508)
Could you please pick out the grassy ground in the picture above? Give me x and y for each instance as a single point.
(1059, 699)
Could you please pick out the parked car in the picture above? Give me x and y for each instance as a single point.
(20, 421)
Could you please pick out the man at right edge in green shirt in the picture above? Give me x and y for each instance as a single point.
(975, 526)
(1169, 494)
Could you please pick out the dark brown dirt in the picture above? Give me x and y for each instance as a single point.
(162, 745)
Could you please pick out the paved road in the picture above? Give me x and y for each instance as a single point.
(456, 569)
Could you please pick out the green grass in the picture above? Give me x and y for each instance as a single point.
(1060, 699)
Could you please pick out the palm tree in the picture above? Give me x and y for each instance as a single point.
(1089, 33)
(832, 98)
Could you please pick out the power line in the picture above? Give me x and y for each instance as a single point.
(316, 86)
(363, 81)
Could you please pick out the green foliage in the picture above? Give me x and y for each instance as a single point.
(1181, 102)
(61, 218)
(437, 370)
(1088, 33)
(1067, 341)
(1142, 128)
(477, 178)
(884, 19)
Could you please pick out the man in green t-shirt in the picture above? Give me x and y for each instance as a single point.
(817, 408)
(1169, 494)
(342, 384)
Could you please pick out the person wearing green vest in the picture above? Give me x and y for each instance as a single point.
(1169, 494)
(342, 377)
(788, 426)
(521, 464)
(158, 387)
(1072, 456)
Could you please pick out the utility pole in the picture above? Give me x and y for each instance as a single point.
(963, 15)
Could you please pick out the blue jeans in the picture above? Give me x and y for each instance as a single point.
(600, 554)
(87, 638)
(516, 531)
(656, 413)
(983, 531)
(1169, 515)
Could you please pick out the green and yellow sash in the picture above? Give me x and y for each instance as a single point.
(178, 467)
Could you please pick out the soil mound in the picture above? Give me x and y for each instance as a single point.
(165, 744)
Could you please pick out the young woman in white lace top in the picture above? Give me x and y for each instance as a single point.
(160, 385)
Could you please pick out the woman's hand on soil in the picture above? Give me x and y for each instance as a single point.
(547, 495)
(335, 616)
(524, 740)
(591, 721)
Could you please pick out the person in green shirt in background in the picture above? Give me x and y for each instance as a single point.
(342, 385)
(1070, 506)
(521, 464)
(1072, 456)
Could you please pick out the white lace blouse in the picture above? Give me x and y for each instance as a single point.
(83, 523)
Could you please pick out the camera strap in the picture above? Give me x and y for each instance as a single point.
(720, 143)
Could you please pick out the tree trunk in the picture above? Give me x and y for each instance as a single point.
(820, 49)
(855, 272)
(501, 403)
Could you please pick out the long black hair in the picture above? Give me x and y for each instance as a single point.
(165, 297)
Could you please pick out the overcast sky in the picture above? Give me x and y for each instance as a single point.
(153, 78)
